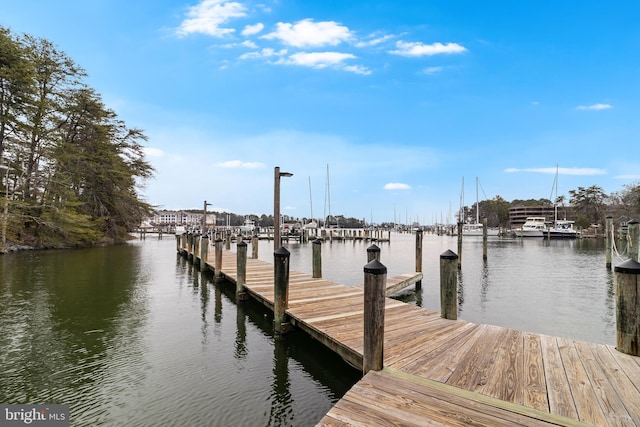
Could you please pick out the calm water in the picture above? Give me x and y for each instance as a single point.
(557, 287)
(132, 335)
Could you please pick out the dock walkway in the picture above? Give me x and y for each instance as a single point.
(452, 372)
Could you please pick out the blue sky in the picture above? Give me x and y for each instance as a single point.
(400, 99)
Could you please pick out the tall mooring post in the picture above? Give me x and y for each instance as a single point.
(628, 307)
(608, 239)
(633, 239)
(459, 245)
(484, 238)
(373, 252)
(280, 289)
(317, 258)
(375, 277)
(218, 260)
(419, 237)
(241, 270)
(204, 251)
(448, 285)
(254, 246)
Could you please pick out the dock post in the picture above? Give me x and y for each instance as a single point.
(280, 289)
(608, 239)
(373, 252)
(317, 258)
(633, 239)
(204, 252)
(448, 285)
(484, 238)
(419, 257)
(628, 307)
(184, 239)
(375, 277)
(241, 271)
(178, 241)
(254, 246)
(459, 245)
(196, 249)
(228, 240)
(218, 260)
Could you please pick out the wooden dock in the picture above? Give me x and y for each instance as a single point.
(452, 372)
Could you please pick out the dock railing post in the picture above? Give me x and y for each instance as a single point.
(375, 277)
(628, 307)
(317, 258)
(241, 271)
(459, 245)
(280, 289)
(254, 246)
(419, 256)
(633, 239)
(184, 240)
(373, 252)
(204, 252)
(218, 260)
(448, 285)
(178, 241)
(484, 238)
(608, 239)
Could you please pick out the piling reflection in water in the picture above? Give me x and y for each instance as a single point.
(134, 335)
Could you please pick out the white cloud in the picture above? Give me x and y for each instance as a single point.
(153, 152)
(420, 49)
(594, 107)
(307, 33)
(432, 70)
(317, 59)
(250, 30)
(561, 171)
(240, 164)
(264, 53)
(374, 40)
(358, 69)
(397, 186)
(208, 16)
(632, 177)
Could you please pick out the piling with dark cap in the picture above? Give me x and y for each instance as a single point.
(628, 307)
(280, 289)
(448, 285)
(241, 270)
(375, 277)
(317, 258)
(218, 260)
(373, 252)
(633, 239)
(204, 252)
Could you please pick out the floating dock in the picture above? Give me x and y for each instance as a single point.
(451, 372)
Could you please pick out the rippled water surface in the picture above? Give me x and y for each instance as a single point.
(132, 335)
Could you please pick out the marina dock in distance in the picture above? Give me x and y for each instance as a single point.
(438, 371)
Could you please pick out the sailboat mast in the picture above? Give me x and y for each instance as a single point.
(310, 199)
(477, 204)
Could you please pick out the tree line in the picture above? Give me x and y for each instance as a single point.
(70, 167)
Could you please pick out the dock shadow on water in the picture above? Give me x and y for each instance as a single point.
(134, 335)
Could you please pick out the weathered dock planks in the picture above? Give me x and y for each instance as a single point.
(452, 372)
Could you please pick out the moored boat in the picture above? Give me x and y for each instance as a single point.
(534, 226)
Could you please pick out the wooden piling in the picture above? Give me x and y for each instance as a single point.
(373, 252)
(448, 285)
(375, 277)
(317, 258)
(633, 239)
(484, 238)
(280, 289)
(254, 246)
(459, 245)
(218, 260)
(178, 241)
(184, 239)
(608, 239)
(204, 252)
(228, 240)
(241, 271)
(628, 307)
(419, 237)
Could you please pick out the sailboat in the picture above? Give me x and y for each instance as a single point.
(476, 229)
(562, 228)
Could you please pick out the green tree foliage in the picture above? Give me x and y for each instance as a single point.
(590, 202)
(74, 165)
